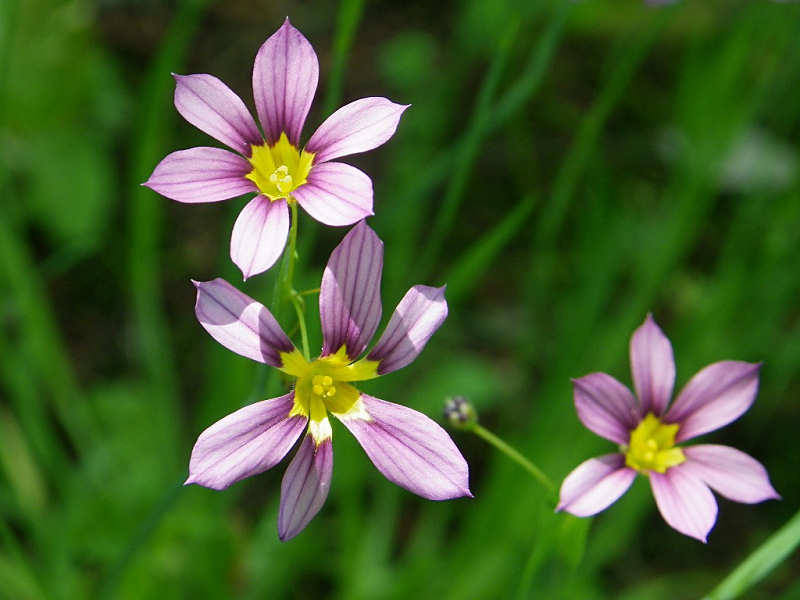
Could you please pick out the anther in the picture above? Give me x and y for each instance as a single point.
(281, 179)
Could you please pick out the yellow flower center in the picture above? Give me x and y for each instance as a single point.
(652, 446)
(323, 385)
(279, 169)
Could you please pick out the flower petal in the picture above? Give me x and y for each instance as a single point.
(249, 441)
(211, 106)
(605, 406)
(350, 294)
(305, 487)
(685, 502)
(356, 127)
(201, 175)
(595, 484)
(653, 367)
(417, 317)
(715, 396)
(336, 194)
(731, 472)
(285, 76)
(240, 323)
(259, 235)
(408, 448)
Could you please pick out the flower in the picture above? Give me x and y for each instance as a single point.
(406, 446)
(285, 75)
(648, 430)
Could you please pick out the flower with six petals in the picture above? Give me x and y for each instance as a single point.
(406, 446)
(647, 429)
(273, 165)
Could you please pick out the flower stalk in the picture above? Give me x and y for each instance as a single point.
(462, 415)
(514, 455)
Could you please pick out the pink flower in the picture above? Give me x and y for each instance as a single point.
(274, 166)
(648, 430)
(406, 446)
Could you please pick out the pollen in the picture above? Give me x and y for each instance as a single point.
(652, 446)
(279, 169)
(322, 386)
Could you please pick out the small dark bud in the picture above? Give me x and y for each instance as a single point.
(460, 412)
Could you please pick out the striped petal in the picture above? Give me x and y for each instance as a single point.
(305, 487)
(408, 448)
(715, 396)
(240, 323)
(356, 127)
(595, 484)
(201, 175)
(249, 441)
(605, 406)
(730, 472)
(259, 235)
(418, 315)
(285, 76)
(336, 194)
(685, 502)
(212, 107)
(653, 367)
(350, 294)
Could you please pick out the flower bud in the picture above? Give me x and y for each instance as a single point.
(460, 412)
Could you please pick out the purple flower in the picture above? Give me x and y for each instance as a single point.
(406, 446)
(648, 429)
(285, 75)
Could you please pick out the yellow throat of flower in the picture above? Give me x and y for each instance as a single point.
(652, 446)
(279, 169)
(323, 385)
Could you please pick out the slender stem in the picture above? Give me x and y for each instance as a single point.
(310, 292)
(514, 455)
(289, 285)
(301, 321)
(775, 549)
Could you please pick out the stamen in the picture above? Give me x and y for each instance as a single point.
(652, 446)
(322, 386)
(281, 179)
(279, 169)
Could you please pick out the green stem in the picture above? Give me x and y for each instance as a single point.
(301, 321)
(310, 292)
(755, 567)
(266, 377)
(514, 455)
(288, 285)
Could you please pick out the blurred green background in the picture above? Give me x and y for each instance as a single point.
(565, 168)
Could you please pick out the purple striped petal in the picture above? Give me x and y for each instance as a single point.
(731, 472)
(418, 315)
(350, 294)
(285, 76)
(240, 323)
(211, 106)
(336, 194)
(201, 175)
(259, 235)
(304, 487)
(409, 449)
(605, 406)
(715, 396)
(595, 484)
(356, 127)
(685, 502)
(653, 367)
(249, 441)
